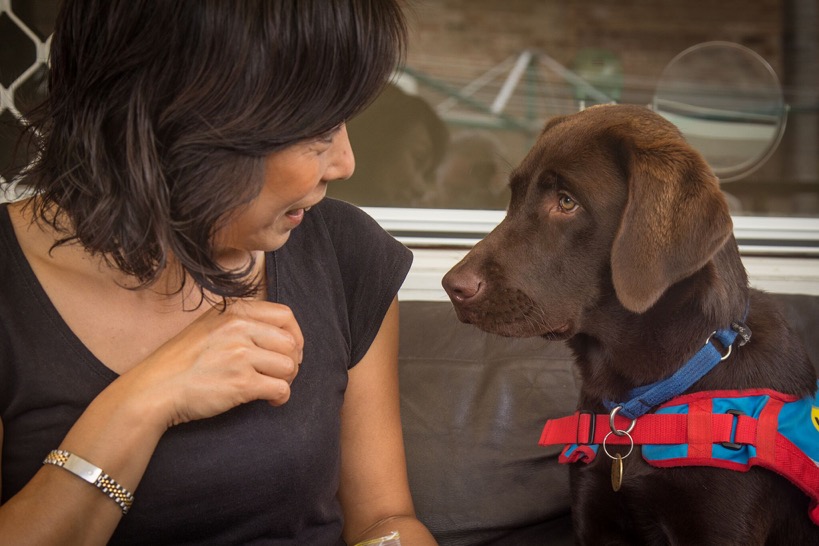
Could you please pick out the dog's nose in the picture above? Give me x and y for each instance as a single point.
(462, 285)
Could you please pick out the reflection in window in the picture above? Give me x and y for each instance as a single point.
(482, 77)
(495, 72)
(399, 143)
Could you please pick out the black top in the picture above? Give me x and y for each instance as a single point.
(255, 474)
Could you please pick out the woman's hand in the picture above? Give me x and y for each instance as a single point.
(250, 351)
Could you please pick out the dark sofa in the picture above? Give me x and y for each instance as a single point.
(473, 406)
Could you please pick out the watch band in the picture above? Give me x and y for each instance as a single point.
(93, 475)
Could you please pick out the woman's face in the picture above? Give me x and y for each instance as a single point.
(295, 179)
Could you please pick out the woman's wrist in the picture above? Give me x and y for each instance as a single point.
(93, 474)
(143, 401)
(118, 432)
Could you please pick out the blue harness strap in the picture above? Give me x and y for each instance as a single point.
(642, 399)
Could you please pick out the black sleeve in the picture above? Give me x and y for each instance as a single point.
(373, 266)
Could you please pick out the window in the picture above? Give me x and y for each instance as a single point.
(482, 77)
(25, 26)
(495, 72)
(741, 81)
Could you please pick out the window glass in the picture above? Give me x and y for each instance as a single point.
(482, 78)
(25, 26)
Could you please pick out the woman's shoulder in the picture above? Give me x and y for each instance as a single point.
(346, 239)
(32, 240)
(372, 265)
(355, 233)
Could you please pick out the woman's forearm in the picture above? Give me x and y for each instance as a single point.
(118, 433)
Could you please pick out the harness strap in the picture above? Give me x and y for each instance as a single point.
(766, 442)
(782, 438)
(700, 428)
(585, 428)
(642, 399)
(800, 470)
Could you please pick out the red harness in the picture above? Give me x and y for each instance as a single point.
(726, 429)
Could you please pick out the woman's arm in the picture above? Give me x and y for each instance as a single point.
(221, 360)
(57, 507)
(374, 490)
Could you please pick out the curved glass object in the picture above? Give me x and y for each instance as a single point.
(727, 101)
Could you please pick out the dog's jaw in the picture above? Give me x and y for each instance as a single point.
(500, 309)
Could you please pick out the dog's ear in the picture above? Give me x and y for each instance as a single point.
(554, 122)
(675, 219)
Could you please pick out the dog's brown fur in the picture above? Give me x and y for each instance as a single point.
(618, 239)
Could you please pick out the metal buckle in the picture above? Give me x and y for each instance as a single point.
(591, 427)
(615, 430)
(733, 446)
(726, 355)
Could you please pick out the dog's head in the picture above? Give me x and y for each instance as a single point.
(610, 201)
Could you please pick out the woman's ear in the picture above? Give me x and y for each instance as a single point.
(675, 220)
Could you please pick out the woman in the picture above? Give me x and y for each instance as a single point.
(159, 340)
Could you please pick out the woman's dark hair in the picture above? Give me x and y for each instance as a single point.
(160, 114)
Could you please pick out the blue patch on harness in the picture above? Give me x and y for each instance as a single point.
(749, 405)
(796, 423)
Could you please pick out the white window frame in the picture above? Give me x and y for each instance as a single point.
(781, 254)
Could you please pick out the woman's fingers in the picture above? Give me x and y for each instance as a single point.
(251, 351)
(274, 329)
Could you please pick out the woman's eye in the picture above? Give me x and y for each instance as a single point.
(566, 203)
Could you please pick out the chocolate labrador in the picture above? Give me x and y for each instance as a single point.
(618, 239)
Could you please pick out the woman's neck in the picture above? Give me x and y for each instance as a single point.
(173, 286)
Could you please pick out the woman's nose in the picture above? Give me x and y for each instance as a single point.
(343, 161)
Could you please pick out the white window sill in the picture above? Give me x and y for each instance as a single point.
(780, 254)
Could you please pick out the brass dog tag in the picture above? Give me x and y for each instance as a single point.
(616, 472)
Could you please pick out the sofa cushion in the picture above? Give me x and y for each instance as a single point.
(473, 405)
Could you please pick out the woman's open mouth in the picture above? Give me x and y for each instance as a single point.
(297, 215)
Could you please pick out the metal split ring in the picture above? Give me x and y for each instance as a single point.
(624, 433)
(615, 430)
(727, 354)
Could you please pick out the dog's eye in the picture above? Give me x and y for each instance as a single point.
(566, 203)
